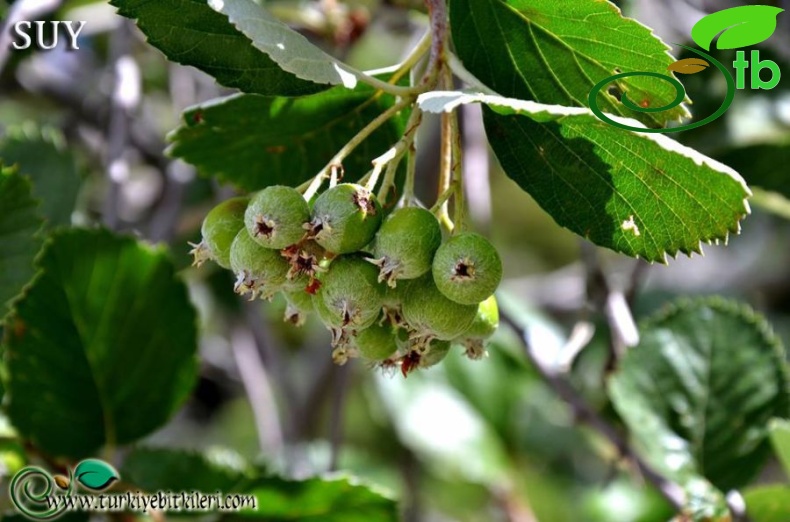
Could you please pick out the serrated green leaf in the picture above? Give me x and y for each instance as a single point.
(289, 49)
(254, 141)
(101, 348)
(192, 33)
(41, 155)
(555, 52)
(698, 392)
(768, 503)
(336, 499)
(739, 27)
(19, 240)
(780, 438)
(160, 469)
(95, 474)
(640, 194)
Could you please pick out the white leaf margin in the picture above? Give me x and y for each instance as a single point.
(447, 101)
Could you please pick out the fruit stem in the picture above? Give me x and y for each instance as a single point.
(456, 183)
(337, 160)
(411, 172)
(446, 156)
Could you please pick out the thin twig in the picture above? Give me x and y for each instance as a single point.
(585, 413)
(256, 383)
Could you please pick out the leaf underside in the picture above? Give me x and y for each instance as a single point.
(685, 397)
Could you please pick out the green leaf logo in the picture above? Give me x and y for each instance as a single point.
(739, 27)
(95, 474)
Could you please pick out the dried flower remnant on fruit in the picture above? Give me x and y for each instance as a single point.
(275, 217)
(344, 218)
(260, 271)
(218, 231)
(405, 245)
(467, 268)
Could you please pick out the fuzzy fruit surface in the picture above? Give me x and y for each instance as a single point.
(275, 217)
(486, 321)
(219, 229)
(436, 353)
(299, 304)
(428, 312)
(405, 244)
(376, 342)
(345, 218)
(351, 292)
(258, 269)
(467, 268)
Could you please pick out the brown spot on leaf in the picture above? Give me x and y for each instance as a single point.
(689, 66)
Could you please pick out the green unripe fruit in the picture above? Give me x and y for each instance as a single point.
(351, 293)
(376, 342)
(259, 270)
(486, 321)
(299, 305)
(467, 268)
(345, 218)
(431, 315)
(276, 216)
(405, 244)
(485, 324)
(219, 229)
(436, 353)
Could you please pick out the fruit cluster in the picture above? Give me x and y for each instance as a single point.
(390, 290)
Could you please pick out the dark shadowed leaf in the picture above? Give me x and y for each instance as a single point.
(101, 348)
(336, 499)
(41, 155)
(254, 141)
(192, 33)
(687, 399)
(19, 241)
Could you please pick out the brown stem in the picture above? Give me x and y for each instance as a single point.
(585, 413)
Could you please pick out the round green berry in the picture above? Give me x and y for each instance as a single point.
(376, 342)
(432, 315)
(485, 324)
(219, 228)
(351, 292)
(486, 321)
(405, 244)
(467, 268)
(259, 270)
(276, 216)
(345, 218)
(299, 304)
(435, 354)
